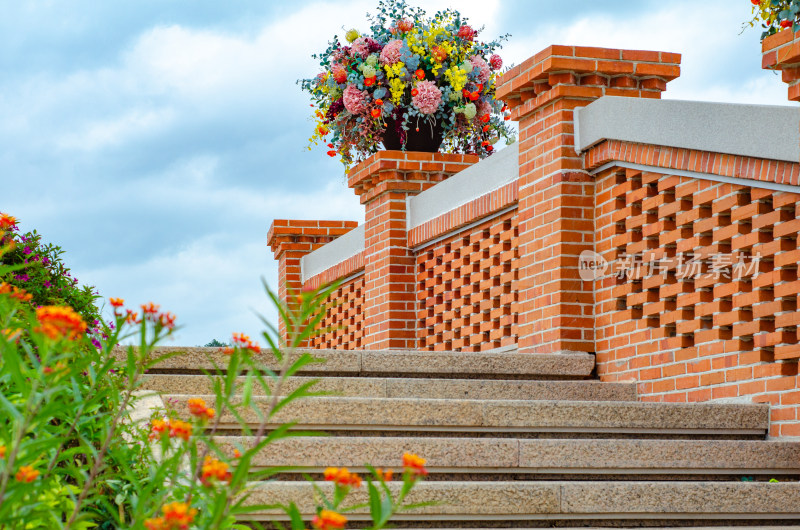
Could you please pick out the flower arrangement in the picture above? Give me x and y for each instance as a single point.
(775, 15)
(409, 72)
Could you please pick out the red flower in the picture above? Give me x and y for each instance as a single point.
(420, 74)
(376, 112)
(466, 33)
(485, 128)
(369, 81)
(485, 118)
(330, 145)
(331, 153)
(786, 23)
(474, 96)
(414, 92)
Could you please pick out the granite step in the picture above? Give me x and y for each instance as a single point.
(585, 390)
(464, 415)
(564, 501)
(454, 456)
(401, 363)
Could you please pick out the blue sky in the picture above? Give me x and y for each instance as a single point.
(156, 140)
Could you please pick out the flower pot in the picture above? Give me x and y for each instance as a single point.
(422, 135)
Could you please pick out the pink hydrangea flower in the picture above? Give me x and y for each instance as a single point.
(390, 53)
(428, 97)
(360, 47)
(355, 100)
(479, 65)
(496, 62)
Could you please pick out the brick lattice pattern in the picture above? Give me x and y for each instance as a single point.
(344, 318)
(467, 290)
(707, 305)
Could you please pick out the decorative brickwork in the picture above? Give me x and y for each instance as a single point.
(759, 169)
(782, 52)
(291, 240)
(555, 192)
(344, 318)
(383, 182)
(467, 288)
(701, 297)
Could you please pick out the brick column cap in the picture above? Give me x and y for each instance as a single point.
(782, 52)
(591, 72)
(304, 235)
(407, 171)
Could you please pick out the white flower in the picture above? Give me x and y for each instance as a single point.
(470, 111)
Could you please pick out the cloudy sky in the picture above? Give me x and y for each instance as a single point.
(155, 140)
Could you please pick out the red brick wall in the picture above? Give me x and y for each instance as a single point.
(691, 324)
(466, 288)
(343, 324)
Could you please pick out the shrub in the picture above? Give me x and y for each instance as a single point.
(72, 457)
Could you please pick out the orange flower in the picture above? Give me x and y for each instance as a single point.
(405, 25)
(331, 153)
(486, 128)
(166, 320)
(414, 464)
(132, 317)
(157, 428)
(156, 523)
(26, 474)
(237, 453)
(7, 222)
(197, 407)
(485, 118)
(2, 451)
(60, 322)
(180, 429)
(386, 476)
(379, 102)
(243, 341)
(177, 516)
(369, 81)
(11, 335)
(150, 308)
(414, 92)
(323, 131)
(342, 476)
(328, 520)
(420, 73)
(214, 469)
(15, 292)
(474, 96)
(376, 113)
(116, 302)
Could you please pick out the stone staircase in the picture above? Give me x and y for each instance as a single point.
(517, 440)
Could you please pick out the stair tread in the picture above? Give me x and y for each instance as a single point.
(509, 454)
(510, 363)
(583, 390)
(507, 500)
(509, 415)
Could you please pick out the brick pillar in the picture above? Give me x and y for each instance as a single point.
(556, 194)
(782, 52)
(383, 181)
(290, 241)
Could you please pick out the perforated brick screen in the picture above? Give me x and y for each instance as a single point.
(344, 318)
(467, 288)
